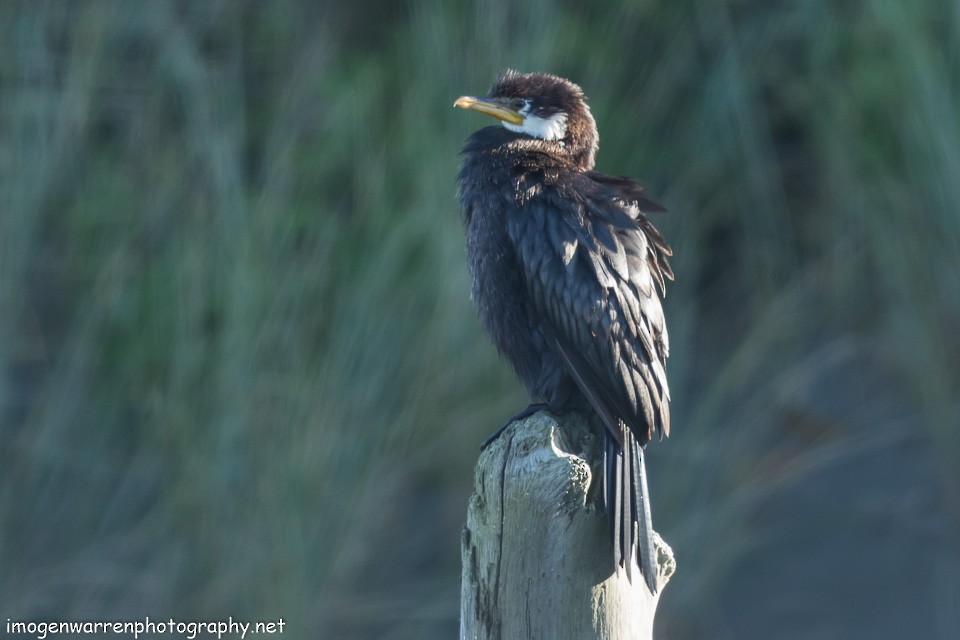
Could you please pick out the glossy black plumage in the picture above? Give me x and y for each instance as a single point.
(565, 269)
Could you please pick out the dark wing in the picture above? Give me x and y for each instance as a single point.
(630, 191)
(590, 260)
(630, 194)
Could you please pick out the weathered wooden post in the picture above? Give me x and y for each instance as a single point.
(536, 556)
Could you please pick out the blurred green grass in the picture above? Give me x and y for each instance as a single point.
(239, 370)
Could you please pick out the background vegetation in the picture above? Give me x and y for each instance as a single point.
(240, 373)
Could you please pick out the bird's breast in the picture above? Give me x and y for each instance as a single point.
(498, 289)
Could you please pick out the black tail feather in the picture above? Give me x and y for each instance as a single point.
(646, 553)
(626, 514)
(628, 507)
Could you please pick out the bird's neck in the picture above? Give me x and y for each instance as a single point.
(507, 148)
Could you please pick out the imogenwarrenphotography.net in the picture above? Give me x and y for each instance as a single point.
(229, 628)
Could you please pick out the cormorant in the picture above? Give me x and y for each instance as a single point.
(565, 266)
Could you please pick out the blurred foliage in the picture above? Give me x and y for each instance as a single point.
(240, 373)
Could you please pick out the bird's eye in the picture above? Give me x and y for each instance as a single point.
(518, 103)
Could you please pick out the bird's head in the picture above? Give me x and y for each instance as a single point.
(545, 108)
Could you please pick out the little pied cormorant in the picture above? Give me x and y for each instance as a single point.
(565, 266)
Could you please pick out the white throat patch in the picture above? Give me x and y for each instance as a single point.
(550, 128)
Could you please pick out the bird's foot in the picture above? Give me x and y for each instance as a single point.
(526, 412)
